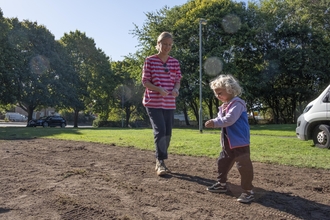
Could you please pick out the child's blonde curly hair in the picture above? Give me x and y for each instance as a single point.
(227, 82)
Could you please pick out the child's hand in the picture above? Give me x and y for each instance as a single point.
(209, 124)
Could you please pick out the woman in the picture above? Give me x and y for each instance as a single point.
(161, 78)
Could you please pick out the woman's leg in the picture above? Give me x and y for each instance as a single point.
(158, 124)
(169, 120)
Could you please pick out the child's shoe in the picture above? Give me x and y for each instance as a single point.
(246, 197)
(217, 188)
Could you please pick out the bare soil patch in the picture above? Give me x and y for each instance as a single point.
(56, 179)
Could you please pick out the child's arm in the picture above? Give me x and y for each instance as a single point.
(234, 112)
(209, 124)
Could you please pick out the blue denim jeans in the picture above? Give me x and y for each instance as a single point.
(162, 122)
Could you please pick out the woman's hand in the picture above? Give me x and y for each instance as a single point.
(175, 92)
(163, 92)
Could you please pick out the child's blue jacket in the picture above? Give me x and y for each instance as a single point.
(235, 121)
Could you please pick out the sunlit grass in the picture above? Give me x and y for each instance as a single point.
(276, 144)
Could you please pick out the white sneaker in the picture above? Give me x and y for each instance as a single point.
(160, 168)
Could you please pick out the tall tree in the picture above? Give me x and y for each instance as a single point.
(103, 83)
(295, 64)
(8, 94)
(129, 91)
(37, 67)
(91, 67)
(224, 35)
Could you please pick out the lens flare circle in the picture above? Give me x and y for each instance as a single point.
(213, 66)
(231, 23)
(39, 65)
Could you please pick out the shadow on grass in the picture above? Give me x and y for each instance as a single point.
(14, 133)
(275, 127)
(282, 205)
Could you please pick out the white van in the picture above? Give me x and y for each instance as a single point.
(314, 122)
(14, 116)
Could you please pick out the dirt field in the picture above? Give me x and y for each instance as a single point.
(54, 179)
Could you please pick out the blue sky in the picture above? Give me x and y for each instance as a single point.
(108, 22)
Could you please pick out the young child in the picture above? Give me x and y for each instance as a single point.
(235, 136)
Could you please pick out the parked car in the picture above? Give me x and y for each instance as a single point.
(48, 121)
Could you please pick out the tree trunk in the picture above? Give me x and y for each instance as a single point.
(185, 113)
(75, 119)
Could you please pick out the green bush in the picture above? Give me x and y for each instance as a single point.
(97, 123)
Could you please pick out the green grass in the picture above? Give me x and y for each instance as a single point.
(275, 144)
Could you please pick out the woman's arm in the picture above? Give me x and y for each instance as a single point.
(149, 85)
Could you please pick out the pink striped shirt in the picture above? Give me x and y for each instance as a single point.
(154, 71)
